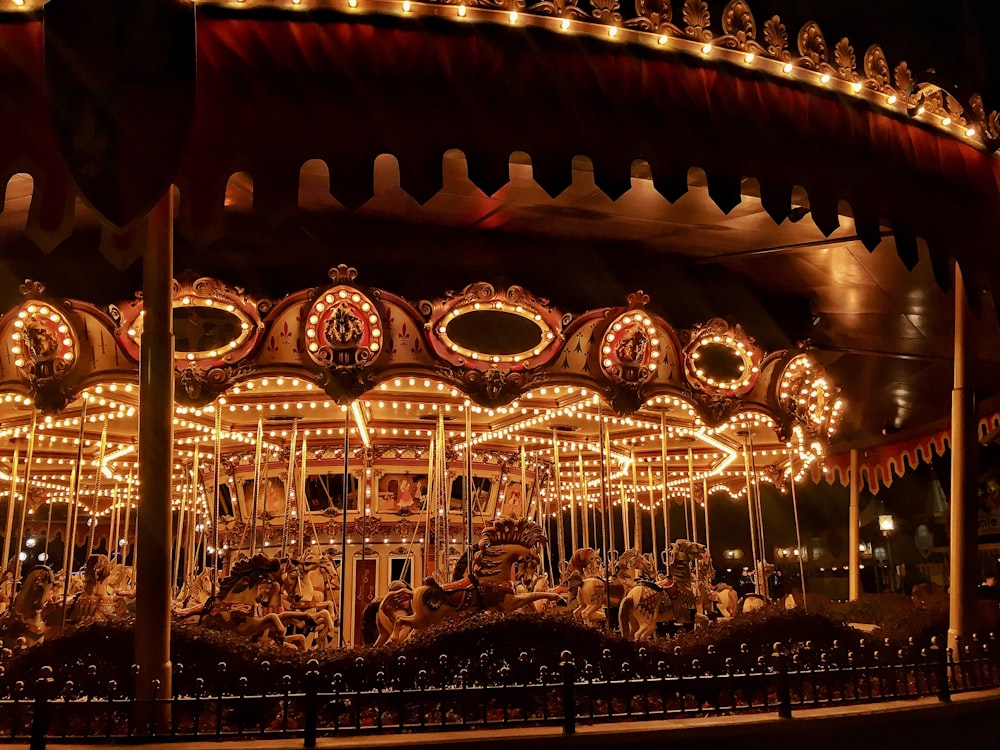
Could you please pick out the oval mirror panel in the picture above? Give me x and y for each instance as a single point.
(494, 332)
(205, 329)
(720, 362)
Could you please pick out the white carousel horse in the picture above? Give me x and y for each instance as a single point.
(302, 607)
(236, 608)
(96, 602)
(22, 623)
(670, 600)
(727, 601)
(490, 585)
(325, 580)
(121, 579)
(595, 593)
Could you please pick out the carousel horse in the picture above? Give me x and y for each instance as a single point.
(302, 607)
(97, 602)
(23, 622)
(727, 601)
(194, 595)
(673, 599)
(379, 616)
(325, 579)
(490, 585)
(596, 592)
(7, 592)
(235, 608)
(120, 579)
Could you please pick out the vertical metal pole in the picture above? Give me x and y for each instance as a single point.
(652, 516)
(704, 492)
(258, 457)
(73, 508)
(637, 531)
(560, 532)
(798, 533)
(24, 496)
(98, 475)
(343, 527)
(469, 499)
(663, 483)
(9, 528)
(694, 516)
(585, 504)
(216, 480)
(757, 582)
(156, 430)
(964, 460)
(854, 529)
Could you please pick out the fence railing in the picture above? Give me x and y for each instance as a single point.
(451, 694)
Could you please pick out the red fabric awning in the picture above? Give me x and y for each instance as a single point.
(272, 94)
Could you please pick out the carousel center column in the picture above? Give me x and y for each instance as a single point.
(156, 398)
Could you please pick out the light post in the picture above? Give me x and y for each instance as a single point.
(886, 526)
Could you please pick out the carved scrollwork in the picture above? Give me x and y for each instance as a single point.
(877, 68)
(559, 9)
(654, 15)
(45, 347)
(607, 11)
(713, 408)
(812, 47)
(776, 37)
(847, 62)
(696, 20)
(739, 27)
(199, 386)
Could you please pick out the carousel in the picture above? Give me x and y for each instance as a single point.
(344, 422)
(679, 233)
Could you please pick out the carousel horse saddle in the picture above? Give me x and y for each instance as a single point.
(667, 587)
(456, 594)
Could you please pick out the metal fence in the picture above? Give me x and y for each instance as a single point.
(449, 694)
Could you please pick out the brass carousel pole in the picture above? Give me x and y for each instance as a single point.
(9, 527)
(798, 534)
(704, 493)
(128, 517)
(652, 515)
(585, 504)
(301, 506)
(72, 508)
(663, 483)
(343, 526)
(637, 533)
(24, 495)
(560, 532)
(694, 516)
(289, 482)
(179, 533)
(216, 481)
(469, 498)
(623, 496)
(757, 583)
(258, 457)
(101, 453)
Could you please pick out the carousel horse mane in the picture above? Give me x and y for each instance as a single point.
(504, 532)
(258, 566)
(97, 568)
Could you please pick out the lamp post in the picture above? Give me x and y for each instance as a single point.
(886, 526)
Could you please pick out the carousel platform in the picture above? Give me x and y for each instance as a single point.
(969, 718)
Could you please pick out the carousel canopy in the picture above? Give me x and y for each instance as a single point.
(729, 167)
